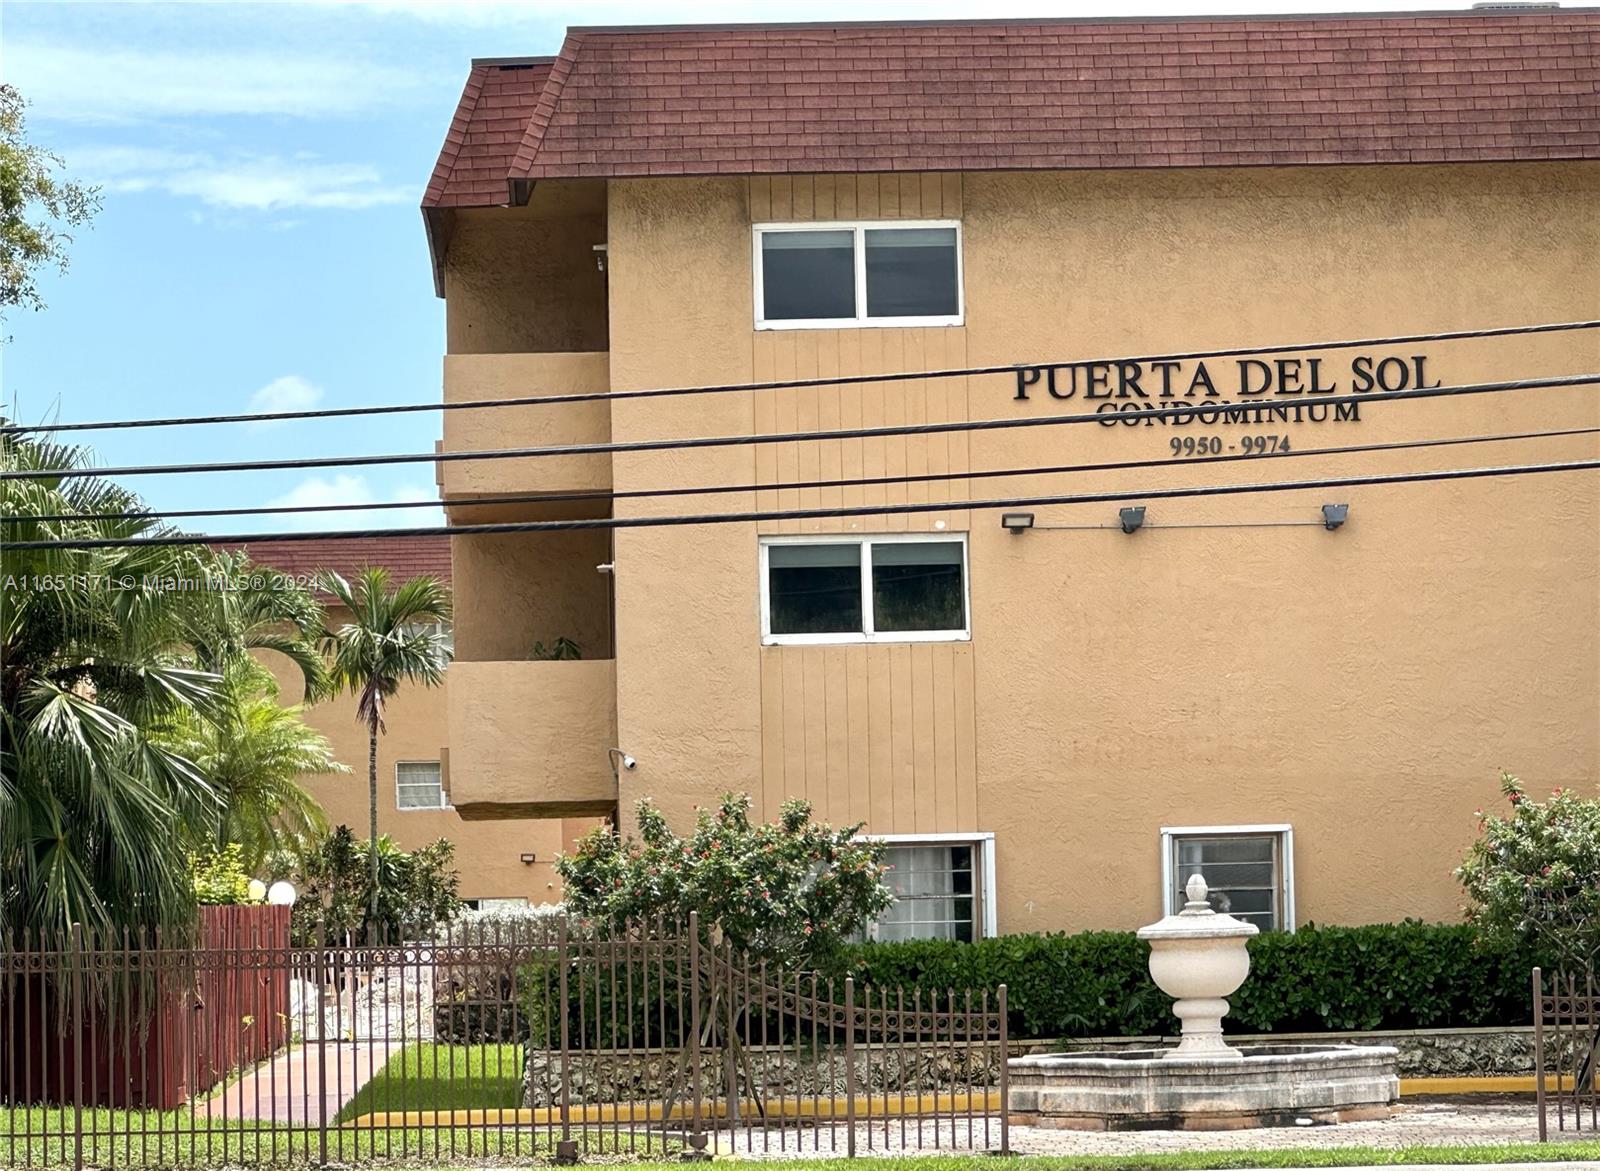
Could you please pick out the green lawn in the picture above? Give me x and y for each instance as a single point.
(433, 1076)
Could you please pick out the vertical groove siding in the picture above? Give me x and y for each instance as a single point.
(881, 734)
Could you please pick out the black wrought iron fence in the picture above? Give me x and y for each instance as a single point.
(1566, 1050)
(544, 1039)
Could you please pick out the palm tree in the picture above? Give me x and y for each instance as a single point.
(96, 814)
(392, 637)
(275, 614)
(255, 754)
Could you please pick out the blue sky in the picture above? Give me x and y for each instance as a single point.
(260, 246)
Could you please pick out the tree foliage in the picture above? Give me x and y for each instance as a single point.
(1533, 875)
(220, 878)
(256, 752)
(100, 803)
(790, 892)
(37, 207)
(416, 892)
(392, 637)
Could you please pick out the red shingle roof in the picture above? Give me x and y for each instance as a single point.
(490, 121)
(403, 557)
(1032, 95)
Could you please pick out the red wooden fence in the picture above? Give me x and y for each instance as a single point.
(135, 1027)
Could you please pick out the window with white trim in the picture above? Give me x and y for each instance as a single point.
(900, 587)
(444, 630)
(418, 785)
(873, 272)
(1248, 869)
(942, 889)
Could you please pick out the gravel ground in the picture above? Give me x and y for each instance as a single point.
(1436, 1123)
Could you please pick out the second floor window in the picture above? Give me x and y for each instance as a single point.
(886, 588)
(832, 275)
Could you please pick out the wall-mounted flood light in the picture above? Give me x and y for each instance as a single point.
(1132, 518)
(1016, 522)
(526, 859)
(1334, 515)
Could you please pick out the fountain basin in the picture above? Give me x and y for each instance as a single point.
(1159, 1089)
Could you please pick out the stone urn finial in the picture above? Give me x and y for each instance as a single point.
(1199, 958)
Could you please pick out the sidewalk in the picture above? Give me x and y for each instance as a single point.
(297, 1086)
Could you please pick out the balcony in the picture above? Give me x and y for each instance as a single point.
(530, 738)
(470, 377)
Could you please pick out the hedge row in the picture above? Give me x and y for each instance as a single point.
(1407, 975)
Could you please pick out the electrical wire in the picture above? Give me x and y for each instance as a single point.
(713, 441)
(802, 485)
(795, 383)
(635, 522)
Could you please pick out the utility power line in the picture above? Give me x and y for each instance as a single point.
(796, 383)
(1218, 410)
(634, 522)
(801, 485)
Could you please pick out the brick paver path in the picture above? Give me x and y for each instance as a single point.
(296, 1086)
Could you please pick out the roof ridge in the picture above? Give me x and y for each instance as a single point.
(1474, 13)
(544, 111)
(455, 136)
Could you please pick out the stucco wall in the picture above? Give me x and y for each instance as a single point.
(518, 280)
(487, 853)
(516, 589)
(1363, 685)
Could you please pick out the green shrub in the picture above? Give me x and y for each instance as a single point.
(220, 879)
(1388, 976)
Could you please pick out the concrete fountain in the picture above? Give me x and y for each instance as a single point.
(1200, 958)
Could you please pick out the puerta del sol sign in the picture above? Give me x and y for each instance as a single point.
(1278, 390)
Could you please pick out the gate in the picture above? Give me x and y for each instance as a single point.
(1566, 1043)
(543, 1039)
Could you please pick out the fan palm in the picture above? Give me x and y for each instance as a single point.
(391, 637)
(255, 753)
(94, 657)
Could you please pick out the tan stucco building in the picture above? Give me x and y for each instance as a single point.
(1055, 721)
(498, 862)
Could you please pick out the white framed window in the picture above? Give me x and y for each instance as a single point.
(886, 587)
(418, 785)
(1248, 868)
(943, 886)
(513, 903)
(834, 274)
(445, 630)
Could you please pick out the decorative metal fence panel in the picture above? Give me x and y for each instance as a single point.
(547, 1040)
(1566, 1045)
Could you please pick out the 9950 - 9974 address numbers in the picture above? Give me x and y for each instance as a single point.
(1189, 445)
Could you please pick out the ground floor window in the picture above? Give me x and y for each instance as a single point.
(1249, 869)
(418, 785)
(943, 888)
(502, 904)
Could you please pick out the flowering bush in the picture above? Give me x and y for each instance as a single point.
(789, 892)
(1534, 875)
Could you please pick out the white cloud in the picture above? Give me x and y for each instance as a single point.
(345, 488)
(105, 84)
(289, 393)
(239, 181)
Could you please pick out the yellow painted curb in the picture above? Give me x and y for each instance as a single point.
(874, 1107)
(1527, 1084)
(834, 1107)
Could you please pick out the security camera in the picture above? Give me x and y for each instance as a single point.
(629, 763)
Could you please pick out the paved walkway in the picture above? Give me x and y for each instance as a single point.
(296, 1086)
